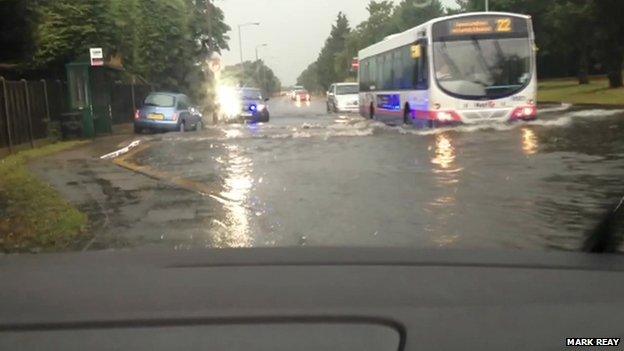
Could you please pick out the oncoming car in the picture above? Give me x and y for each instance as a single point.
(162, 111)
(301, 95)
(343, 97)
(243, 104)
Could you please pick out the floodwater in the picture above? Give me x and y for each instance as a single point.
(312, 178)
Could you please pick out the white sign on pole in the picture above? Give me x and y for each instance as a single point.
(97, 56)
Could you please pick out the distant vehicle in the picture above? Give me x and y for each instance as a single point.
(244, 104)
(343, 97)
(294, 90)
(302, 95)
(468, 68)
(165, 111)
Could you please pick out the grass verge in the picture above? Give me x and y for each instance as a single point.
(597, 92)
(33, 216)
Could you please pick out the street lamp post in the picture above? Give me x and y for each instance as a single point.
(487, 5)
(259, 46)
(240, 37)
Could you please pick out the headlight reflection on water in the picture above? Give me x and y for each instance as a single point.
(529, 142)
(234, 197)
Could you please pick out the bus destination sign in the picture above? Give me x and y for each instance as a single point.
(480, 26)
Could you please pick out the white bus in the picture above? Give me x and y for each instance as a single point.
(468, 68)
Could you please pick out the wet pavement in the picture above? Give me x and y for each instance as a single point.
(318, 179)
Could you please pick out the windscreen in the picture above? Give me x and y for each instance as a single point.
(347, 89)
(482, 57)
(401, 123)
(159, 100)
(251, 94)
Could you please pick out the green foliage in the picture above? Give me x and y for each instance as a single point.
(334, 61)
(163, 41)
(309, 78)
(574, 36)
(252, 74)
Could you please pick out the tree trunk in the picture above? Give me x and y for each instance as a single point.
(615, 69)
(583, 77)
(615, 77)
(583, 69)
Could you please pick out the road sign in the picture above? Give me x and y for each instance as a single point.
(97, 56)
(215, 63)
(355, 63)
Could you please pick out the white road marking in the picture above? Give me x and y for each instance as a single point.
(121, 151)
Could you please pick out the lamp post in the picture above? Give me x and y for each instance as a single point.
(487, 5)
(240, 37)
(259, 46)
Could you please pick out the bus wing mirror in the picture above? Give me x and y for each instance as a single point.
(416, 51)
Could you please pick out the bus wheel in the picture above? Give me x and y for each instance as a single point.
(371, 112)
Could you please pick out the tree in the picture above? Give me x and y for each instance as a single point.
(309, 79)
(610, 38)
(411, 13)
(335, 43)
(164, 41)
(334, 61)
(252, 74)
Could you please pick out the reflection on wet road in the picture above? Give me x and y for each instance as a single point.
(312, 178)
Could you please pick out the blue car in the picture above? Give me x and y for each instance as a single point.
(243, 105)
(163, 111)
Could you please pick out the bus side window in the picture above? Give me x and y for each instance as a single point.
(372, 73)
(407, 79)
(388, 71)
(379, 70)
(398, 69)
(421, 71)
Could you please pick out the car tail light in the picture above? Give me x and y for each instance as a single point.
(176, 115)
(524, 112)
(137, 114)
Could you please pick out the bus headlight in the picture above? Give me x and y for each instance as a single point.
(444, 116)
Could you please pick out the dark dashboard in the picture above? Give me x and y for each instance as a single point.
(309, 299)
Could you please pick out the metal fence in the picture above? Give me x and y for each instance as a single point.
(26, 109)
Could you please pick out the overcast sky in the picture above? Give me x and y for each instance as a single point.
(295, 30)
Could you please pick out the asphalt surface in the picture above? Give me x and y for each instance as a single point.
(312, 178)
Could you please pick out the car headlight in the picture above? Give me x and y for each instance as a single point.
(260, 107)
(229, 101)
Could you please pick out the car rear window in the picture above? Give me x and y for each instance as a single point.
(347, 89)
(160, 100)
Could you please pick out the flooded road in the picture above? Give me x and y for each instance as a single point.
(318, 179)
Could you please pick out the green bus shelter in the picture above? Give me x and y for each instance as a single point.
(89, 90)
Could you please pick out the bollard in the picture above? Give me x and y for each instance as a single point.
(6, 115)
(29, 114)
